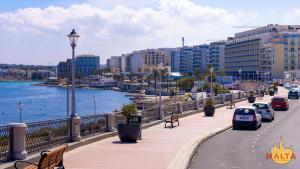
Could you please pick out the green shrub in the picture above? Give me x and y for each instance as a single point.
(129, 110)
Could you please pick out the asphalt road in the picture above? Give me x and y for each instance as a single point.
(246, 149)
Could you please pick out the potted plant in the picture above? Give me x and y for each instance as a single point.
(271, 92)
(251, 97)
(209, 108)
(130, 131)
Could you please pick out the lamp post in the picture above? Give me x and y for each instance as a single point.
(75, 119)
(257, 79)
(68, 75)
(211, 90)
(160, 66)
(20, 105)
(95, 110)
(240, 72)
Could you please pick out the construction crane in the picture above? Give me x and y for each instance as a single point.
(214, 40)
(246, 27)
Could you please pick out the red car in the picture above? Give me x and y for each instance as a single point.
(280, 103)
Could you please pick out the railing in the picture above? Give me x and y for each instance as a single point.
(189, 105)
(46, 134)
(218, 99)
(150, 114)
(93, 124)
(4, 143)
(119, 118)
(170, 109)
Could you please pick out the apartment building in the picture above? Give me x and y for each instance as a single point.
(261, 51)
(216, 55)
(117, 64)
(175, 60)
(192, 58)
(86, 64)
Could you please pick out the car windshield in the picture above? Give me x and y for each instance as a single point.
(243, 111)
(278, 99)
(261, 106)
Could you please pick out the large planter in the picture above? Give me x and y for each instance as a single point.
(129, 132)
(251, 99)
(271, 92)
(209, 110)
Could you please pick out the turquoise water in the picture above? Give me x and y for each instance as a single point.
(43, 103)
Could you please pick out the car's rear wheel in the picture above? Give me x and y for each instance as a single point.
(234, 127)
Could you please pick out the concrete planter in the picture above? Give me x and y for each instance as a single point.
(251, 99)
(129, 132)
(209, 110)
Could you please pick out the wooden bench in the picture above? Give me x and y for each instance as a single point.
(173, 119)
(49, 160)
(231, 104)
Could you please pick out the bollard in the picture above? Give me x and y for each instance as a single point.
(223, 98)
(110, 121)
(197, 105)
(75, 128)
(161, 112)
(17, 141)
(180, 107)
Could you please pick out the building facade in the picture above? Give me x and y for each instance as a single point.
(192, 58)
(267, 50)
(86, 65)
(175, 60)
(216, 55)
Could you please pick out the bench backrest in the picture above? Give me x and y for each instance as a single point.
(51, 159)
(174, 117)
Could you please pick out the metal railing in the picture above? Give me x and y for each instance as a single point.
(4, 143)
(93, 124)
(189, 105)
(170, 109)
(46, 134)
(150, 114)
(218, 99)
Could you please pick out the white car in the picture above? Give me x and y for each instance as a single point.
(265, 110)
(287, 85)
(246, 116)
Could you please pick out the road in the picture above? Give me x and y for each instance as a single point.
(246, 149)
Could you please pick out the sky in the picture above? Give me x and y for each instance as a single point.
(35, 31)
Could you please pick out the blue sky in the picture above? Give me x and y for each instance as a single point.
(34, 31)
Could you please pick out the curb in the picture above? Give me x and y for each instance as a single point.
(183, 158)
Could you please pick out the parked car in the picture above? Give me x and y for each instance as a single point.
(265, 110)
(294, 87)
(246, 116)
(287, 85)
(280, 103)
(293, 94)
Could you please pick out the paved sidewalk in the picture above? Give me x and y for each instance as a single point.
(160, 148)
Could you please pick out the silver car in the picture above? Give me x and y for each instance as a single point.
(265, 110)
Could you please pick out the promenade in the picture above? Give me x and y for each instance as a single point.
(160, 147)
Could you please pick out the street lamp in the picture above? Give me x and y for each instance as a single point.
(160, 66)
(211, 72)
(20, 105)
(95, 110)
(257, 79)
(73, 36)
(75, 119)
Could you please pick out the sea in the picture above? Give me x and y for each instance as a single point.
(39, 103)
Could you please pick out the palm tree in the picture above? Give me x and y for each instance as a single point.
(155, 75)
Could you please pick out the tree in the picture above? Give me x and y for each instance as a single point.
(186, 84)
(155, 76)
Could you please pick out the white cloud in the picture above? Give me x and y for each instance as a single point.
(122, 29)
